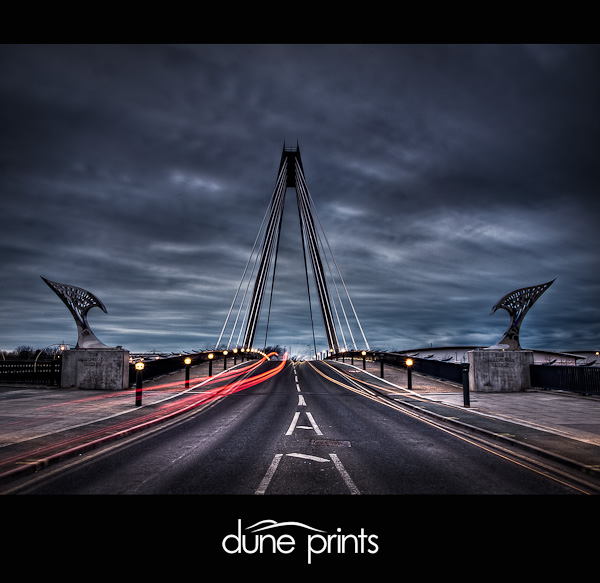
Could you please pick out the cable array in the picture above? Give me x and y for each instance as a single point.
(263, 258)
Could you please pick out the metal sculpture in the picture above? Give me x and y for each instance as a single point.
(80, 302)
(517, 303)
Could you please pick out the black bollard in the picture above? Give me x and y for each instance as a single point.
(139, 367)
(465, 380)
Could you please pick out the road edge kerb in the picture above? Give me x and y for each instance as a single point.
(584, 468)
(40, 464)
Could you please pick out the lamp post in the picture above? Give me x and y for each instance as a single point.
(139, 367)
(187, 361)
(225, 353)
(210, 359)
(409, 363)
(235, 350)
(62, 347)
(364, 355)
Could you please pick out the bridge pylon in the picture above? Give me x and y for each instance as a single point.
(316, 253)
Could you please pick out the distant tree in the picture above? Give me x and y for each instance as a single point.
(25, 352)
(278, 349)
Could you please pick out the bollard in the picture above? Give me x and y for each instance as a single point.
(187, 361)
(409, 363)
(139, 367)
(465, 380)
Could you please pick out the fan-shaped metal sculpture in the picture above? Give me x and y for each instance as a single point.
(80, 302)
(517, 303)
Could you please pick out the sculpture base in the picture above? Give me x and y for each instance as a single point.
(105, 369)
(497, 371)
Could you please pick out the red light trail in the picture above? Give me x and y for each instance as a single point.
(243, 378)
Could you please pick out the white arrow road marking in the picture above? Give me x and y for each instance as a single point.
(312, 422)
(293, 423)
(334, 458)
(308, 457)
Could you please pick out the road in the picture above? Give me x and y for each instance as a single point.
(305, 429)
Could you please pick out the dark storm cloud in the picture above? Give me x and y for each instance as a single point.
(444, 176)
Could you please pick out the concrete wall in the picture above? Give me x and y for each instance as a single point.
(500, 370)
(95, 368)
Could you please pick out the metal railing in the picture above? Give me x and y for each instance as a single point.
(449, 371)
(576, 379)
(29, 372)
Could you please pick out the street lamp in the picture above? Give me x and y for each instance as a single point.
(225, 353)
(409, 363)
(364, 355)
(210, 359)
(139, 367)
(61, 347)
(187, 361)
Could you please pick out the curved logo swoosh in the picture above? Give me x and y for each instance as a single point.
(273, 524)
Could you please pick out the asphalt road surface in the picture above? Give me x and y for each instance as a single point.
(307, 430)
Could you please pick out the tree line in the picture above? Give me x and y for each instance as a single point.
(25, 352)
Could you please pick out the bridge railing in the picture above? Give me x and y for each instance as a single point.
(443, 370)
(449, 371)
(154, 367)
(576, 379)
(47, 372)
(29, 372)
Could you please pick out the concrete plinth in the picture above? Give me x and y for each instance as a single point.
(104, 369)
(497, 371)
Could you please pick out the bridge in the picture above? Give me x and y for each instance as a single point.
(344, 334)
(258, 422)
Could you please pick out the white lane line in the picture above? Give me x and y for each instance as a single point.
(293, 423)
(312, 422)
(338, 464)
(301, 401)
(269, 475)
(297, 386)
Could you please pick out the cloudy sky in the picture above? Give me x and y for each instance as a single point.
(444, 176)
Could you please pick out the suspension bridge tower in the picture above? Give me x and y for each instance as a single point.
(317, 254)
